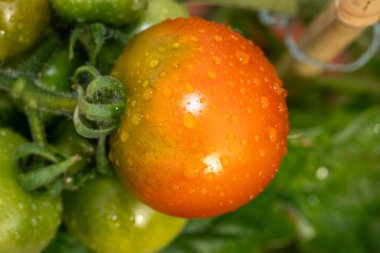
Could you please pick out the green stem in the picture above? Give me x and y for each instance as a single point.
(102, 164)
(36, 126)
(43, 99)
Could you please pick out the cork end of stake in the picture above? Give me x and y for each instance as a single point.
(358, 13)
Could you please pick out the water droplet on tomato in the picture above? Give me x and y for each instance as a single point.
(175, 187)
(176, 45)
(256, 82)
(224, 160)
(217, 60)
(162, 74)
(262, 152)
(243, 143)
(281, 107)
(277, 88)
(242, 57)
(154, 63)
(145, 83)
(136, 119)
(204, 191)
(148, 93)
(194, 39)
(231, 136)
(271, 134)
(264, 101)
(218, 38)
(189, 120)
(211, 74)
(124, 136)
(257, 138)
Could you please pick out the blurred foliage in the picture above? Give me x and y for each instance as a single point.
(288, 6)
(65, 243)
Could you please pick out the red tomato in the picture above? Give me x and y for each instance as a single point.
(206, 121)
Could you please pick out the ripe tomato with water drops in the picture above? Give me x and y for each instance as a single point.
(206, 122)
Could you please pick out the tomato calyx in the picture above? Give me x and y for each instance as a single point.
(100, 107)
(93, 37)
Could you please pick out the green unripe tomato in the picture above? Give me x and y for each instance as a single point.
(22, 24)
(57, 71)
(28, 220)
(116, 12)
(158, 11)
(109, 219)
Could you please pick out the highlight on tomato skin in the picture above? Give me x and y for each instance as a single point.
(206, 123)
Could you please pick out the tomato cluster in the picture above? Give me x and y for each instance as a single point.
(203, 132)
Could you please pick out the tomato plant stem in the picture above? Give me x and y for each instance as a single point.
(29, 93)
(36, 125)
(102, 164)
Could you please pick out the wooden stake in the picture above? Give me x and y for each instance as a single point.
(333, 30)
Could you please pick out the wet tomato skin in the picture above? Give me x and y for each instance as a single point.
(206, 121)
(22, 25)
(107, 218)
(28, 220)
